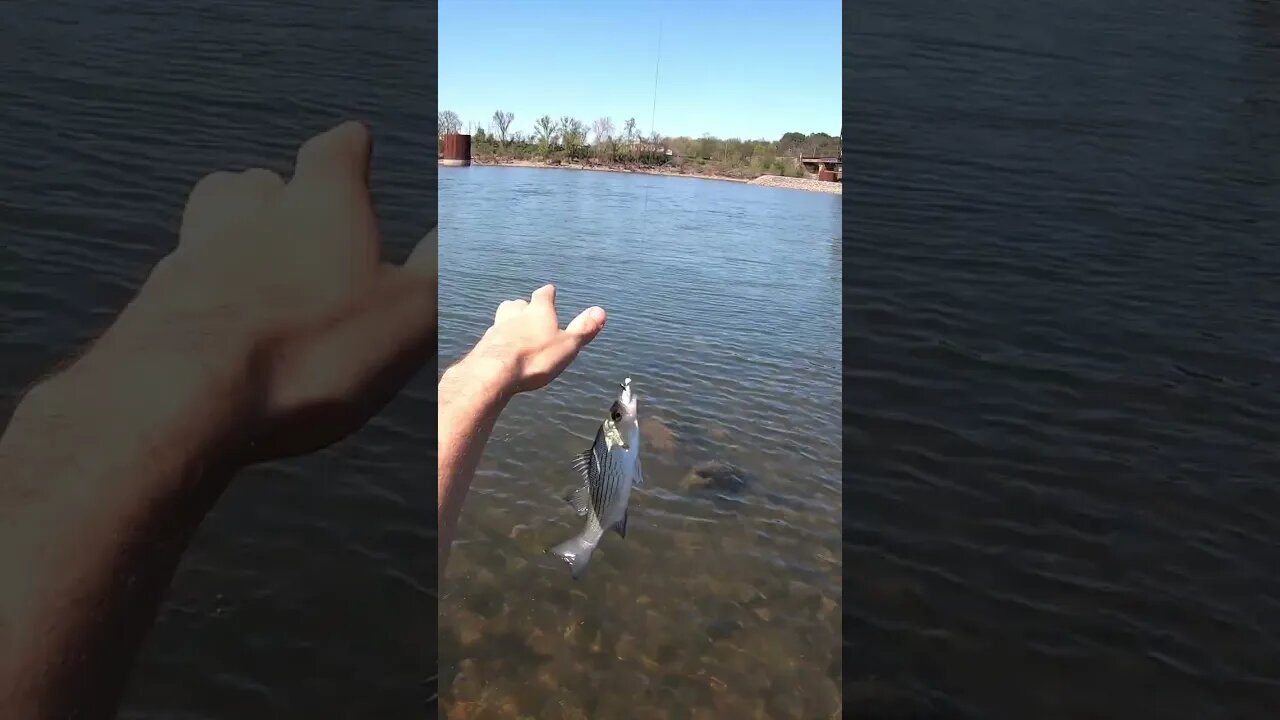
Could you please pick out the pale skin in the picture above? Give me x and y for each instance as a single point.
(273, 328)
(524, 349)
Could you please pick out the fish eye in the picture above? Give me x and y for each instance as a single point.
(617, 416)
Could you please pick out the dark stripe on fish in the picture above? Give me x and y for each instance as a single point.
(610, 485)
(606, 482)
(600, 457)
(601, 472)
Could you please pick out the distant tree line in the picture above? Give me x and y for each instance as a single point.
(568, 139)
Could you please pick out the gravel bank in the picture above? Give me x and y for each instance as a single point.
(834, 188)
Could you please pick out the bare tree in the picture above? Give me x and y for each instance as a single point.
(448, 122)
(603, 129)
(630, 132)
(501, 122)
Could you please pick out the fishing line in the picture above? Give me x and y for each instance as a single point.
(657, 62)
(653, 113)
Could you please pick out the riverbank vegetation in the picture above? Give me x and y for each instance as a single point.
(568, 140)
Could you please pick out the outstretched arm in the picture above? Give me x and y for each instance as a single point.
(273, 328)
(105, 471)
(523, 350)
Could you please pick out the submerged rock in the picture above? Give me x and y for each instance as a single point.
(716, 476)
(718, 433)
(723, 628)
(656, 436)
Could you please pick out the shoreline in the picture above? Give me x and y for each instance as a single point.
(601, 168)
(776, 181)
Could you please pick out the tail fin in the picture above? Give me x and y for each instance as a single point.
(576, 551)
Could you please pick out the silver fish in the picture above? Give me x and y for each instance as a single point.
(609, 469)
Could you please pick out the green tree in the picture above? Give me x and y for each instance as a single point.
(738, 157)
(791, 144)
(545, 130)
(704, 147)
(682, 146)
(630, 134)
(791, 138)
(572, 134)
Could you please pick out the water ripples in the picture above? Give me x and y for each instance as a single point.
(723, 311)
(113, 111)
(1064, 310)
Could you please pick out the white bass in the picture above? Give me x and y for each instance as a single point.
(609, 469)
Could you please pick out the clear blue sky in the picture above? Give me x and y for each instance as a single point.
(749, 69)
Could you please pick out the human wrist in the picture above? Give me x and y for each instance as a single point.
(484, 374)
(158, 376)
(116, 447)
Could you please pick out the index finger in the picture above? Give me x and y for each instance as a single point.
(339, 155)
(545, 295)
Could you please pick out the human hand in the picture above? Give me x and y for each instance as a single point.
(287, 279)
(526, 347)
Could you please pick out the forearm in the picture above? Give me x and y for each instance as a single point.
(471, 396)
(105, 471)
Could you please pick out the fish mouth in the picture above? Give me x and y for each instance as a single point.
(627, 398)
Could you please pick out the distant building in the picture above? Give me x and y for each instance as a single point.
(640, 146)
(825, 167)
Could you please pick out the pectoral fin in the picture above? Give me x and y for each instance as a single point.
(621, 525)
(639, 473)
(582, 463)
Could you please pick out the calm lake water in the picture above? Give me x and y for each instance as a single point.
(724, 309)
(1063, 490)
(307, 592)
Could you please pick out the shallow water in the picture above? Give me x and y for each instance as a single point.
(724, 309)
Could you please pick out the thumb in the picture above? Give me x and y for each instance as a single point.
(372, 353)
(584, 328)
